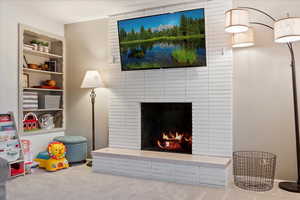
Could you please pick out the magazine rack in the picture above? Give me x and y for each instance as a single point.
(10, 145)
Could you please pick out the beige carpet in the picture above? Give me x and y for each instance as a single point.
(80, 183)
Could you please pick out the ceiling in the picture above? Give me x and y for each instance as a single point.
(71, 11)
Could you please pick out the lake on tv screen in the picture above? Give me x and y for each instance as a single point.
(161, 41)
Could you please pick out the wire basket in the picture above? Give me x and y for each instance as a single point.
(254, 170)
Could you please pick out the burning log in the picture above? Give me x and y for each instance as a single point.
(174, 142)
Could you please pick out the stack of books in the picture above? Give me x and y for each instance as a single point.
(30, 100)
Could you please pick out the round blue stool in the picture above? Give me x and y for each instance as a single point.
(76, 147)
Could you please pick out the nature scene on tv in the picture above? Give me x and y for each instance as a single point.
(163, 41)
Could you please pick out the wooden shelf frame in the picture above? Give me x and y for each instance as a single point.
(43, 110)
(43, 131)
(31, 32)
(44, 89)
(41, 71)
(39, 53)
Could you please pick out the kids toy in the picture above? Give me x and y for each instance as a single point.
(55, 158)
(30, 122)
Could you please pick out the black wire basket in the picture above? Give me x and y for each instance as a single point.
(254, 170)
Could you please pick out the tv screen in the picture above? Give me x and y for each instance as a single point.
(169, 40)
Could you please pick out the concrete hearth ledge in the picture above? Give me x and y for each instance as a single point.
(195, 160)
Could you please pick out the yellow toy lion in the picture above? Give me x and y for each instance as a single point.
(55, 159)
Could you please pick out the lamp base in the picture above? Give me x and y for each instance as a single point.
(89, 163)
(290, 186)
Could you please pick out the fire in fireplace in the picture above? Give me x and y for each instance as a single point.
(167, 127)
(174, 141)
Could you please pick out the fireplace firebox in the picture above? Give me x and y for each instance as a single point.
(166, 127)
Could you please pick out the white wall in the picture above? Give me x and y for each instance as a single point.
(208, 88)
(263, 109)
(11, 15)
(86, 50)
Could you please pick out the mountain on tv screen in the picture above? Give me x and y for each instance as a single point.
(169, 40)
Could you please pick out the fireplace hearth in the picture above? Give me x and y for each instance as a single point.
(166, 127)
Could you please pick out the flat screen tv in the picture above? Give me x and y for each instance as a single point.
(170, 40)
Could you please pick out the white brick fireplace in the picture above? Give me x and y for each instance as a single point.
(209, 89)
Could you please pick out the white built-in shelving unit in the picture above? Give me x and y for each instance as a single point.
(37, 76)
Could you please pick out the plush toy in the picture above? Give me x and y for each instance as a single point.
(55, 159)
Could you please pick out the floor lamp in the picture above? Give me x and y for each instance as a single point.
(92, 80)
(287, 31)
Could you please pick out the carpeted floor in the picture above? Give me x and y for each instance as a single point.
(80, 183)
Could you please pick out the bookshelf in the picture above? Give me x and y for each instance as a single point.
(41, 80)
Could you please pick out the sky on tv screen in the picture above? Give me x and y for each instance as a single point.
(169, 19)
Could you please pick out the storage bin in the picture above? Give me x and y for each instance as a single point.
(49, 101)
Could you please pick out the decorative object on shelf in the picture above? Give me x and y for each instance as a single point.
(25, 63)
(76, 146)
(33, 66)
(35, 44)
(30, 100)
(51, 83)
(55, 160)
(48, 84)
(51, 65)
(286, 30)
(44, 67)
(28, 47)
(41, 48)
(30, 122)
(92, 80)
(254, 170)
(45, 47)
(25, 80)
(46, 121)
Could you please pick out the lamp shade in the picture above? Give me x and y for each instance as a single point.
(237, 20)
(244, 39)
(92, 79)
(287, 30)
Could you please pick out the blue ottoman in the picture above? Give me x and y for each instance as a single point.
(76, 147)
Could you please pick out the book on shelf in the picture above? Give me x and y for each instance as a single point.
(30, 100)
(5, 118)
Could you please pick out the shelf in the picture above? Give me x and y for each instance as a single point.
(9, 123)
(42, 131)
(17, 175)
(42, 54)
(11, 132)
(43, 89)
(41, 71)
(42, 110)
(16, 161)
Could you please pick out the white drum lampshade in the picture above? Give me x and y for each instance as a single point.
(92, 79)
(287, 30)
(237, 20)
(244, 39)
